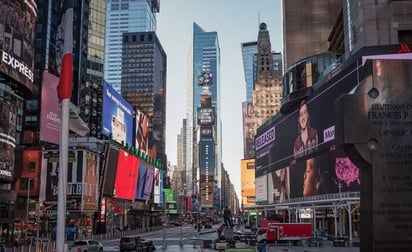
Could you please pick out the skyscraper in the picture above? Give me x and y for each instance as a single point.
(207, 149)
(125, 16)
(144, 85)
(307, 34)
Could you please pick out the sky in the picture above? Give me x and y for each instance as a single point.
(236, 22)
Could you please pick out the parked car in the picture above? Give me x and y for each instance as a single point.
(86, 246)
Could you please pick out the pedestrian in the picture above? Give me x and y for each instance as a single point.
(227, 216)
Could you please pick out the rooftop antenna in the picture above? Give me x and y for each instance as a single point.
(258, 18)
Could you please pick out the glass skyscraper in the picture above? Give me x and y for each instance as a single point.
(206, 58)
(125, 16)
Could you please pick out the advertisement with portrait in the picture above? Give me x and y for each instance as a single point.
(248, 182)
(8, 115)
(110, 170)
(206, 164)
(157, 137)
(279, 142)
(117, 116)
(50, 174)
(126, 176)
(17, 35)
(142, 131)
(91, 178)
(279, 185)
(157, 180)
(145, 181)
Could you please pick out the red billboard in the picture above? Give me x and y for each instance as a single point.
(126, 176)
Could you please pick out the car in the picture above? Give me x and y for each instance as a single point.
(135, 243)
(129, 243)
(86, 246)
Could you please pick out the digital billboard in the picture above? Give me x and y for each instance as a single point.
(91, 178)
(248, 182)
(110, 170)
(142, 131)
(307, 130)
(145, 181)
(117, 116)
(17, 37)
(50, 122)
(8, 115)
(207, 166)
(50, 174)
(126, 176)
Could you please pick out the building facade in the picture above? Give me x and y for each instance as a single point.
(206, 83)
(125, 16)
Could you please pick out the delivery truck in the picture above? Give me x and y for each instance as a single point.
(273, 231)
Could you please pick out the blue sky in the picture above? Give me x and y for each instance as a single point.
(236, 22)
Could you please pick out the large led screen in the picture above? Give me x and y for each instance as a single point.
(142, 131)
(248, 182)
(50, 174)
(17, 35)
(110, 170)
(207, 166)
(306, 130)
(8, 116)
(117, 116)
(126, 176)
(145, 181)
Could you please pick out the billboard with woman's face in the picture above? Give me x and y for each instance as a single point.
(17, 33)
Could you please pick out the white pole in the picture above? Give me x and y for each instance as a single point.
(62, 185)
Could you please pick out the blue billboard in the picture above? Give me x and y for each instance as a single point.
(117, 116)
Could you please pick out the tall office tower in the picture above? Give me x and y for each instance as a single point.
(249, 51)
(207, 134)
(268, 87)
(249, 55)
(91, 90)
(125, 16)
(144, 85)
(306, 28)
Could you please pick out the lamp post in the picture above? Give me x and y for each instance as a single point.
(28, 205)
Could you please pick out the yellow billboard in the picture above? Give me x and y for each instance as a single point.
(248, 182)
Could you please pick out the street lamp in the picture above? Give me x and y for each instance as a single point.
(28, 204)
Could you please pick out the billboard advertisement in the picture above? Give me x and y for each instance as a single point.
(248, 182)
(142, 131)
(50, 176)
(50, 113)
(157, 180)
(145, 181)
(110, 170)
(8, 115)
(17, 35)
(90, 185)
(307, 130)
(207, 166)
(117, 116)
(205, 116)
(126, 176)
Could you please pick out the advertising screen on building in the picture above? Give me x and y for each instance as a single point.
(126, 176)
(50, 164)
(8, 115)
(17, 35)
(145, 181)
(248, 182)
(142, 131)
(110, 170)
(280, 141)
(207, 166)
(117, 116)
